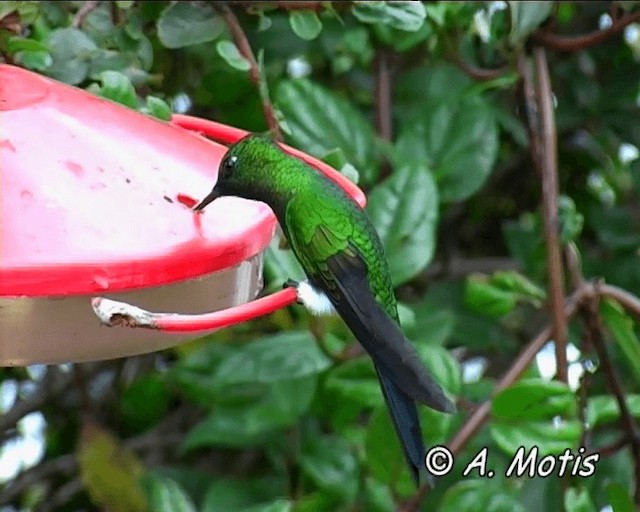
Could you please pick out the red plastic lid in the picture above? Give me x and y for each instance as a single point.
(96, 197)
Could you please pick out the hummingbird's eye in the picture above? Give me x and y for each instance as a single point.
(229, 164)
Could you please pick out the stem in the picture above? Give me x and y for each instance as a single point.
(83, 12)
(547, 162)
(576, 43)
(241, 41)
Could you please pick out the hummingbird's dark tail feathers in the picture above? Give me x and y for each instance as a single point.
(404, 415)
(380, 335)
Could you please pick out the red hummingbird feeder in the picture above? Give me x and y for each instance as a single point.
(96, 201)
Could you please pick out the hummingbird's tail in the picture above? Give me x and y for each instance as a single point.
(404, 415)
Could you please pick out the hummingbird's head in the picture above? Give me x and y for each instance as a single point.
(249, 169)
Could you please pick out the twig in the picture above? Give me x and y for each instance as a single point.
(475, 72)
(544, 152)
(594, 325)
(382, 94)
(241, 41)
(576, 43)
(629, 301)
(481, 413)
(53, 384)
(84, 11)
(611, 449)
(549, 172)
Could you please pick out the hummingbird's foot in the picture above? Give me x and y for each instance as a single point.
(292, 283)
(312, 298)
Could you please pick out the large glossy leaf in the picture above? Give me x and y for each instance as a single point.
(329, 462)
(186, 23)
(305, 23)
(166, 495)
(274, 358)
(578, 500)
(479, 496)
(444, 368)
(622, 327)
(71, 53)
(321, 121)
(407, 16)
(526, 17)
(110, 473)
(602, 409)
(457, 140)
(231, 495)
(535, 413)
(404, 210)
(247, 424)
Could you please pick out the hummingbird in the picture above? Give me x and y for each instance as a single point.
(347, 272)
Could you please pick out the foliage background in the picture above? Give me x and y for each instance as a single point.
(436, 109)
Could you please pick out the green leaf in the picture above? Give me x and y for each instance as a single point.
(144, 402)
(329, 462)
(479, 496)
(305, 23)
(533, 399)
(283, 356)
(384, 457)
(247, 424)
(433, 324)
(117, 87)
(280, 264)
(527, 17)
(158, 108)
(232, 56)
(488, 299)
(535, 413)
(109, 472)
(441, 364)
(408, 16)
(234, 495)
(355, 380)
(187, 23)
(404, 210)
(16, 44)
(604, 409)
(578, 500)
(514, 281)
(457, 140)
(71, 52)
(279, 505)
(619, 498)
(622, 328)
(570, 220)
(166, 495)
(320, 121)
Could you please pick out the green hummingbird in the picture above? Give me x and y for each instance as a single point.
(343, 258)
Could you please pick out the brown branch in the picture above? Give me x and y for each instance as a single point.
(475, 72)
(593, 323)
(241, 41)
(54, 383)
(382, 94)
(481, 413)
(548, 163)
(576, 43)
(84, 11)
(629, 301)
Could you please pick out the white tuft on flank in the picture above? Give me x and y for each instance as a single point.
(314, 300)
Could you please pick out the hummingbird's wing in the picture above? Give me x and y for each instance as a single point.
(344, 279)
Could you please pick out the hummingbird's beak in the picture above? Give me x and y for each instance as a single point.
(211, 197)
